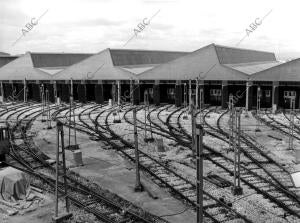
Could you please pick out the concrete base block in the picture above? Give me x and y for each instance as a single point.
(62, 217)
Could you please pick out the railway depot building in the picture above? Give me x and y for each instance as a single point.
(212, 73)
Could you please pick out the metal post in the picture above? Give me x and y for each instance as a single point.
(43, 102)
(199, 133)
(200, 105)
(131, 92)
(138, 185)
(64, 167)
(57, 170)
(190, 92)
(236, 142)
(238, 148)
(25, 91)
(197, 93)
(258, 108)
(193, 119)
(185, 117)
(72, 123)
(119, 93)
(291, 135)
(48, 110)
(60, 143)
(185, 95)
(55, 90)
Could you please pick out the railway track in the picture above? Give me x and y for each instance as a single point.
(261, 181)
(79, 193)
(274, 124)
(160, 172)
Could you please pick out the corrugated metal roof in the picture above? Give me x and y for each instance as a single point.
(96, 67)
(254, 67)
(202, 63)
(56, 59)
(6, 59)
(123, 57)
(289, 71)
(4, 54)
(231, 55)
(22, 68)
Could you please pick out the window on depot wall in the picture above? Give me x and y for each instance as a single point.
(289, 94)
(171, 93)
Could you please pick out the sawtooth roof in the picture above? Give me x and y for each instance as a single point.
(123, 57)
(254, 67)
(202, 63)
(289, 71)
(22, 68)
(38, 66)
(231, 55)
(42, 60)
(116, 64)
(5, 59)
(213, 62)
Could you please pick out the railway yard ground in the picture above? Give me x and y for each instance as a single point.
(103, 188)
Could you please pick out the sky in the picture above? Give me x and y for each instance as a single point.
(90, 26)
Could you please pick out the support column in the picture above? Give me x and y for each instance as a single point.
(224, 94)
(99, 92)
(119, 92)
(25, 90)
(156, 93)
(55, 91)
(249, 95)
(136, 93)
(190, 93)
(178, 93)
(201, 94)
(197, 93)
(2, 91)
(275, 96)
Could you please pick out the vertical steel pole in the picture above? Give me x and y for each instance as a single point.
(64, 167)
(291, 137)
(197, 93)
(238, 148)
(199, 133)
(193, 119)
(57, 168)
(138, 185)
(190, 92)
(119, 93)
(200, 105)
(131, 92)
(258, 108)
(185, 95)
(70, 110)
(55, 91)
(25, 91)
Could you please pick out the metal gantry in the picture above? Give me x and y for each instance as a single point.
(72, 120)
(199, 163)
(235, 143)
(61, 173)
